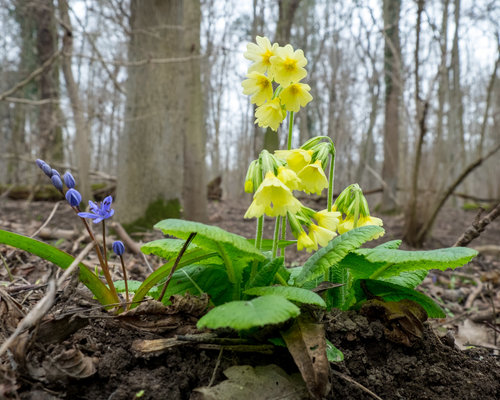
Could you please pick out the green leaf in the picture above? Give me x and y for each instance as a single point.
(61, 259)
(211, 238)
(408, 279)
(166, 248)
(296, 294)
(243, 315)
(391, 244)
(266, 273)
(161, 273)
(391, 262)
(197, 279)
(391, 292)
(332, 353)
(335, 251)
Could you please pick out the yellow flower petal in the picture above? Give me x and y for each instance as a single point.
(288, 177)
(320, 235)
(287, 66)
(260, 54)
(274, 198)
(305, 242)
(295, 158)
(295, 96)
(328, 219)
(270, 114)
(313, 178)
(259, 87)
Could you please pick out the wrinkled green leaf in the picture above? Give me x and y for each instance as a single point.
(244, 315)
(267, 244)
(61, 259)
(166, 248)
(266, 273)
(329, 256)
(383, 263)
(161, 273)
(211, 238)
(391, 244)
(296, 294)
(391, 292)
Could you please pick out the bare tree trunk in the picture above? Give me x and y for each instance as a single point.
(392, 68)
(195, 185)
(49, 129)
(81, 128)
(151, 150)
(412, 223)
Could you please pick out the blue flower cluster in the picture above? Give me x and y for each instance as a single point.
(98, 212)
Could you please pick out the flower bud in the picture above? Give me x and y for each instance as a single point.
(55, 172)
(69, 181)
(57, 182)
(118, 247)
(47, 170)
(74, 197)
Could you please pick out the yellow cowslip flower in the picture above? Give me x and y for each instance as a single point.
(270, 114)
(288, 177)
(274, 198)
(320, 235)
(328, 219)
(260, 54)
(305, 242)
(313, 178)
(295, 158)
(295, 96)
(259, 87)
(348, 223)
(287, 66)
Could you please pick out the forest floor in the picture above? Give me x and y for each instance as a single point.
(78, 351)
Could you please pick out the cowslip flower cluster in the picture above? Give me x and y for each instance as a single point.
(273, 81)
(352, 203)
(286, 171)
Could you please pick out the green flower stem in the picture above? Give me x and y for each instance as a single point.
(231, 274)
(127, 299)
(276, 235)
(283, 234)
(290, 129)
(258, 235)
(281, 279)
(330, 182)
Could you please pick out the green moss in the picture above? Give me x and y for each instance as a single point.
(156, 211)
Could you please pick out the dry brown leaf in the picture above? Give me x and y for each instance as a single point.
(264, 383)
(306, 342)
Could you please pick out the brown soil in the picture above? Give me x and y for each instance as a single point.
(434, 368)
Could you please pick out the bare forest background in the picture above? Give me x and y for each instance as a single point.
(145, 97)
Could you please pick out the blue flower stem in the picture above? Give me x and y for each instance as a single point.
(127, 299)
(260, 229)
(176, 263)
(276, 235)
(104, 267)
(290, 129)
(330, 181)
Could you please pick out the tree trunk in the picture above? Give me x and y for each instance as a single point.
(195, 185)
(392, 68)
(151, 152)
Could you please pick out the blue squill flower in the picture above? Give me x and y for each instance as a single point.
(57, 182)
(99, 212)
(118, 247)
(74, 197)
(47, 170)
(69, 180)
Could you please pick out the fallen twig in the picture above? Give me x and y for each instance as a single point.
(359, 385)
(477, 227)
